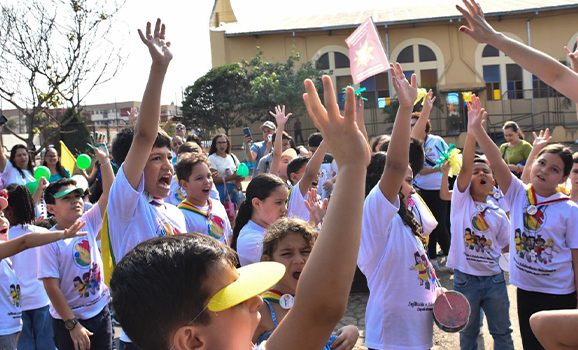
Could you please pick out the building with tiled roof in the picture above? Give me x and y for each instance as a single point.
(422, 35)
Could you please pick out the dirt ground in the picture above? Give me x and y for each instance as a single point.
(442, 340)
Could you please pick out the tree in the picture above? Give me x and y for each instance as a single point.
(278, 83)
(54, 52)
(219, 99)
(236, 94)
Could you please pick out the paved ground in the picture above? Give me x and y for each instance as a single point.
(442, 340)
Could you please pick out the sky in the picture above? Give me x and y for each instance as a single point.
(188, 30)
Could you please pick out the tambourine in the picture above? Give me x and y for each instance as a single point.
(451, 311)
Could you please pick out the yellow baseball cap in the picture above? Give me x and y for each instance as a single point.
(253, 280)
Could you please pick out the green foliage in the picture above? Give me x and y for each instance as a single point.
(238, 94)
(217, 100)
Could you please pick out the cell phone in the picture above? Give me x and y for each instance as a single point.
(3, 119)
(247, 132)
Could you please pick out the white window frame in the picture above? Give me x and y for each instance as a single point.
(416, 66)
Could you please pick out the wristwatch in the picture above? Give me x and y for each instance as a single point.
(70, 324)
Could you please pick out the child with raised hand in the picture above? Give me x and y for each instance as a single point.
(281, 119)
(401, 280)
(265, 203)
(480, 231)
(207, 295)
(202, 213)
(547, 68)
(302, 180)
(289, 242)
(10, 286)
(543, 236)
(71, 270)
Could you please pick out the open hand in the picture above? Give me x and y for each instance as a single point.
(155, 41)
(317, 209)
(72, 231)
(280, 117)
(477, 27)
(573, 56)
(428, 102)
(476, 115)
(541, 139)
(406, 91)
(345, 140)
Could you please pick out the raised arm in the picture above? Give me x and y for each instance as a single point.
(573, 57)
(547, 68)
(397, 159)
(418, 131)
(445, 192)
(465, 175)
(312, 168)
(281, 118)
(3, 158)
(310, 322)
(107, 175)
(501, 171)
(147, 124)
(540, 141)
(31, 240)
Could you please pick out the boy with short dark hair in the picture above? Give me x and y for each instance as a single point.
(71, 269)
(136, 209)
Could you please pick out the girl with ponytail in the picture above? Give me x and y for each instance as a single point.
(265, 203)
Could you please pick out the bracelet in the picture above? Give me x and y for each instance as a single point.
(107, 163)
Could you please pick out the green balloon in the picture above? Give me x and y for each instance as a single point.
(41, 172)
(32, 186)
(243, 170)
(83, 162)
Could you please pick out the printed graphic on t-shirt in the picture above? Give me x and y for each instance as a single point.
(81, 252)
(534, 248)
(216, 227)
(425, 273)
(477, 241)
(15, 294)
(165, 229)
(535, 220)
(89, 283)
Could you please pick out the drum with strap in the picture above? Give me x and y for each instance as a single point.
(451, 311)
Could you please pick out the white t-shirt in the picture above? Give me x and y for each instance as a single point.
(401, 280)
(213, 222)
(132, 218)
(479, 232)
(250, 243)
(327, 171)
(25, 265)
(11, 175)
(540, 256)
(77, 263)
(423, 215)
(296, 206)
(497, 197)
(177, 193)
(10, 309)
(434, 147)
(222, 164)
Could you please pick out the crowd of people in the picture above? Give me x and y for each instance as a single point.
(168, 240)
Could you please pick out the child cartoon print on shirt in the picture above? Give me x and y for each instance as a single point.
(165, 229)
(81, 252)
(477, 242)
(90, 281)
(425, 273)
(15, 294)
(534, 248)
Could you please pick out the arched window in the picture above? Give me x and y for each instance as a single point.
(503, 77)
(333, 59)
(422, 57)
